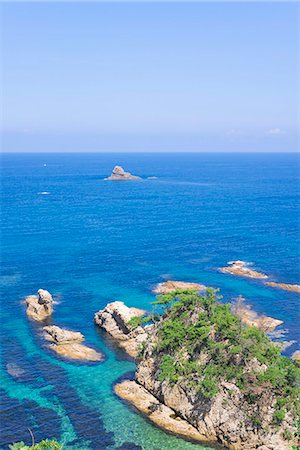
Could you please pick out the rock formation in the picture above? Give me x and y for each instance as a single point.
(69, 344)
(250, 317)
(170, 286)
(60, 336)
(284, 286)
(160, 414)
(40, 306)
(240, 268)
(199, 363)
(115, 319)
(118, 174)
(296, 356)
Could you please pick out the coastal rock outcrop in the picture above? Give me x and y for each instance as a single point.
(39, 307)
(296, 356)
(69, 344)
(240, 268)
(284, 286)
(119, 174)
(115, 319)
(158, 413)
(171, 286)
(250, 317)
(216, 376)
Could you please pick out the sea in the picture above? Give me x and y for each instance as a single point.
(90, 242)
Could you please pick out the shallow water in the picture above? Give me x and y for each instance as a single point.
(89, 242)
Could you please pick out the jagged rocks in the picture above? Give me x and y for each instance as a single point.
(69, 344)
(60, 336)
(114, 319)
(118, 174)
(39, 307)
(158, 413)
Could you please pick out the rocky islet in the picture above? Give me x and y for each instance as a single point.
(119, 174)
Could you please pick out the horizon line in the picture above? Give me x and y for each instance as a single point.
(148, 152)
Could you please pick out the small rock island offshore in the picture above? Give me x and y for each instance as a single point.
(205, 375)
(119, 174)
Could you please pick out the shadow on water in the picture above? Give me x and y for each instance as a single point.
(51, 379)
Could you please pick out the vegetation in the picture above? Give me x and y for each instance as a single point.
(202, 342)
(137, 321)
(43, 445)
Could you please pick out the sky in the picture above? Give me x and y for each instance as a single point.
(149, 77)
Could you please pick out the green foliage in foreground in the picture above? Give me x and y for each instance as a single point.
(201, 341)
(43, 445)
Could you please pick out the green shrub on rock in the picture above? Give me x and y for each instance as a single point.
(43, 445)
(202, 343)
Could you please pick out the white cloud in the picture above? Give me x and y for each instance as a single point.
(233, 132)
(275, 131)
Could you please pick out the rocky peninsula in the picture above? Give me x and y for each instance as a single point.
(119, 174)
(39, 307)
(225, 380)
(69, 344)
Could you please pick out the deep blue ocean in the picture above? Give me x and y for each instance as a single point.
(91, 241)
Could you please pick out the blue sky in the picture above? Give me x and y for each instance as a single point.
(150, 76)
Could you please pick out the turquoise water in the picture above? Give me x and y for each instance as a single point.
(90, 242)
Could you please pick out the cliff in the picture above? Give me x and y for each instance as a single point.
(225, 379)
(116, 319)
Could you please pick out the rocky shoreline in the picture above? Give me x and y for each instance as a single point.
(158, 413)
(250, 317)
